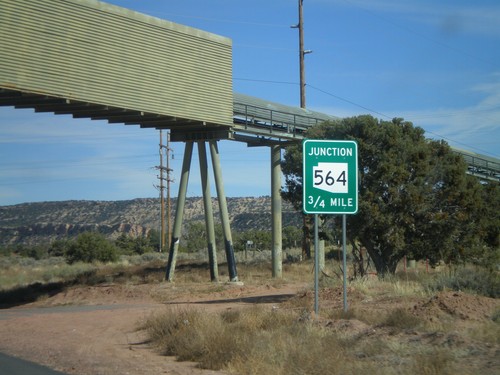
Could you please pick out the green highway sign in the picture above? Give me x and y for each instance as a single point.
(330, 177)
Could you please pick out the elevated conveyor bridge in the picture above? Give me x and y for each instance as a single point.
(256, 122)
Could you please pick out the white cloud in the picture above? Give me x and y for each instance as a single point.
(26, 127)
(469, 128)
(44, 154)
(475, 127)
(449, 18)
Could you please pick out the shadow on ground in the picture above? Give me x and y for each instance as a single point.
(29, 293)
(275, 298)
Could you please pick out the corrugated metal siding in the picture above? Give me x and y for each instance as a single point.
(100, 53)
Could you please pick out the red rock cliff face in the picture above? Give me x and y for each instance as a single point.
(44, 222)
(48, 232)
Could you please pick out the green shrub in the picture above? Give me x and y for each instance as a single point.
(26, 251)
(89, 247)
(5, 251)
(474, 279)
(58, 248)
(128, 245)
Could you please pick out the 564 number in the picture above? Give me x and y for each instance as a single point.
(331, 177)
(320, 178)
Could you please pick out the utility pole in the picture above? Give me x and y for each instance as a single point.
(306, 243)
(302, 53)
(164, 225)
(169, 203)
(162, 197)
(301, 57)
(306, 246)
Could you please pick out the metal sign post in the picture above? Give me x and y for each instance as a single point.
(330, 186)
(344, 261)
(316, 266)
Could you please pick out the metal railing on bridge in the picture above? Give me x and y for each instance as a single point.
(262, 119)
(481, 166)
(259, 122)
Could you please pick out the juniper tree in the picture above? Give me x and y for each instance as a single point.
(415, 198)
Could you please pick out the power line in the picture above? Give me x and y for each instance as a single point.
(266, 81)
(219, 20)
(349, 101)
(317, 89)
(368, 109)
(460, 143)
(389, 117)
(264, 47)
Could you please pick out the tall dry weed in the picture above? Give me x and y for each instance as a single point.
(437, 362)
(260, 341)
(402, 319)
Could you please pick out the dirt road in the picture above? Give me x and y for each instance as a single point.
(94, 330)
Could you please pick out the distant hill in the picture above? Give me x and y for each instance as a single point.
(43, 222)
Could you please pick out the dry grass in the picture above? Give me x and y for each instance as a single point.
(435, 362)
(19, 272)
(213, 340)
(251, 341)
(16, 272)
(402, 319)
(265, 341)
(379, 334)
(383, 335)
(392, 287)
(487, 332)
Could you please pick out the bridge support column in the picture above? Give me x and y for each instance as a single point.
(276, 254)
(209, 220)
(224, 216)
(209, 217)
(179, 213)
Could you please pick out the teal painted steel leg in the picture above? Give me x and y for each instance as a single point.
(228, 240)
(209, 217)
(179, 213)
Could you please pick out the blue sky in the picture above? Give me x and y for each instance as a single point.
(434, 62)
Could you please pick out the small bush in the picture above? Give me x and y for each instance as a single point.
(474, 279)
(90, 247)
(128, 245)
(58, 248)
(37, 252)
(192, 335)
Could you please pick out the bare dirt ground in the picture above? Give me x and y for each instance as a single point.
(95, 329)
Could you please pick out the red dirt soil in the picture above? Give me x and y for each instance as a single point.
(94, 330)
